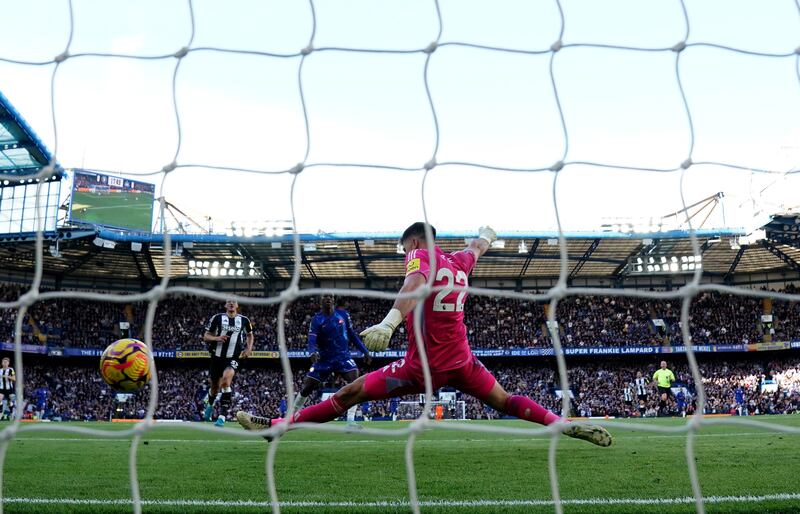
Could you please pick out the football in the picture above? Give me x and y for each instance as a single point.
(125, 365)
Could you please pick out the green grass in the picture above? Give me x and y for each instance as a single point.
(126, 210)
(177, 463)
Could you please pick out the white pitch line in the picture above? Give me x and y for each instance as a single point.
(378, 439)
(404, 503)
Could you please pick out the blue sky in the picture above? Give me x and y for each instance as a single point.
(493, 108)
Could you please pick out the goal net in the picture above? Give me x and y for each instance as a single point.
(570, 72)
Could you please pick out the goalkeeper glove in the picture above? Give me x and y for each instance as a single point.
(487, 234)
(376, 338)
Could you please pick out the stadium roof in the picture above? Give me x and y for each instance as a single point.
(84, 254)
(21, 151)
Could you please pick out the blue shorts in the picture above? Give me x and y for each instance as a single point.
(321, 369)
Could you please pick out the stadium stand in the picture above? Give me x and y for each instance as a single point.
(492, 322)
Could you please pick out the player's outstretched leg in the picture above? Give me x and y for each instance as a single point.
(527, 409)
(595, 434)
(252, 422)
(322, 412)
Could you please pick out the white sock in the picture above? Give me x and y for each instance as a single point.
(299, 402)
(351, 414)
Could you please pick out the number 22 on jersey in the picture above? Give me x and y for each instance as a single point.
(460, 279)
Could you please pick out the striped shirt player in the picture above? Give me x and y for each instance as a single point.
(444, 337)
(640, 383)
(627, 393)
(230, 337)
(7, 380)
(329, 337)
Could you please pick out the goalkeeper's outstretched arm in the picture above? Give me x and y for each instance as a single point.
(376, 338)
(480, 245)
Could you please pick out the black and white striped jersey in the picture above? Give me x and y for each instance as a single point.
(5, 378)
(641, 386)
(235, 328)
(628, 393)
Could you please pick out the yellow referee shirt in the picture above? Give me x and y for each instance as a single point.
(663, 377)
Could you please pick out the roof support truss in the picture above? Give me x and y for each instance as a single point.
(589, 251)
(774, 250)
(531, 254)
(735, 263)
(89, 255)
(148, 258)
(361, 259)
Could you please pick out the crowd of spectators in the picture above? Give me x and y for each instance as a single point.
(491, 322)
(598, 389)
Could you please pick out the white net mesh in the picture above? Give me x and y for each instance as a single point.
(554, 295)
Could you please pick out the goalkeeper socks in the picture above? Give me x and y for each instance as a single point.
(529, 410)
(322, 412)
(225, 401)
(351, 414)
(299, 402)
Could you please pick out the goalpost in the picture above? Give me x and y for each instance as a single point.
(562, 289)
(438, 410)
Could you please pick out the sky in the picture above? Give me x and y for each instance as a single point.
(493, 108)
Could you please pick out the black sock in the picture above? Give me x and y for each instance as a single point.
(225, 403)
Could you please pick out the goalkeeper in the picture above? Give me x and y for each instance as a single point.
(450, 359)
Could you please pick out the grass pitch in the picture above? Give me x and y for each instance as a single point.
(741, 469)
(124, 210)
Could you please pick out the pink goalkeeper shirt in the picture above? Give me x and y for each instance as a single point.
(443, 330)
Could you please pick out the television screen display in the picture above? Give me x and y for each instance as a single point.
(110, 201)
